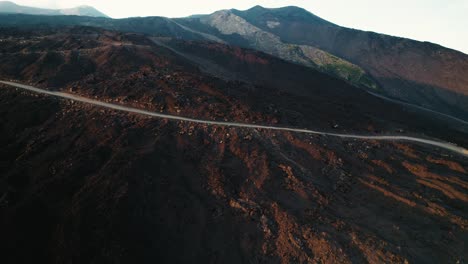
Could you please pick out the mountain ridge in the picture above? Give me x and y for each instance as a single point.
(86, 184)
(421, 73)
(82, 10)
(298, 8)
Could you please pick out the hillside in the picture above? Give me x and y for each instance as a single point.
(91, 185)
(419, 73)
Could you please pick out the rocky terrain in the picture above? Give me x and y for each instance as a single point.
(227, 23)
(419, 73)
(83, 184)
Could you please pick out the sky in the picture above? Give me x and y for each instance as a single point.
(444, 22)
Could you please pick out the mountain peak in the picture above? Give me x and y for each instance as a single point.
(7, 3)
(285, 8)
(259, 7)
(83, 10)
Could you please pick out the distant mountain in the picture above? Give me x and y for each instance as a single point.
(422, 73)
(227, 24)
(12, 8)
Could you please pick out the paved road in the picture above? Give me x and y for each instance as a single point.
(443, 145)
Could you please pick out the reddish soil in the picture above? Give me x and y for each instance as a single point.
(84, 184)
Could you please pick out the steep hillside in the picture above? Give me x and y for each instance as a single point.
(415, 72)
(84, 184)
(128, 65)
(419, 72)
(226, 23)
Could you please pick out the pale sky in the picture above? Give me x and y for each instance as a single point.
(443, 22)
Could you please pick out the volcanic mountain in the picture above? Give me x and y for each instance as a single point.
(87, 184)
(417, 72)
(12, 8)
(420, 73)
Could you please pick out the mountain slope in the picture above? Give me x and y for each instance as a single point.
(12, 8)
(227, 23)
(419, 73)
(84, 184)
(424, 73)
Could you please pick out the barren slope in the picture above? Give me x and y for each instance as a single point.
(88, 185)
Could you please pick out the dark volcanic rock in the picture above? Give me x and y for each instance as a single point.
(420, 73)
(82, 184)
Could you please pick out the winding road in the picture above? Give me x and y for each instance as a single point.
(439, 144)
